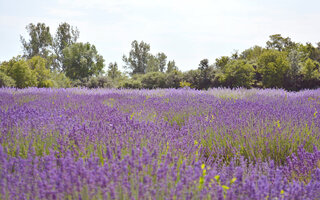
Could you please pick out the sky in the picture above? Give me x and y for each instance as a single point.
(187, 31)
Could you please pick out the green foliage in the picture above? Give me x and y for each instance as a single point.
(23, 75)
(171, 66)
(38, 67)
(81, 60)
(221, 62)
(309, 70)
(238, 73)
(293, 80)
(206, 74)
(45, 84)
(252, 54)
(6, 81)
(66, 35)
(60, 80)
(273, 65)
(153, 80)
(173, 79)
(282, 64)
(138, 57)
(100, 82)
(40, 41)
(184, 84)
(280, 43)
(132, 84)
(113, 71)
(162, 60)
(152, 64)
(192, 77)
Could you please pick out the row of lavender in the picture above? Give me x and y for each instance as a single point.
(159, 144)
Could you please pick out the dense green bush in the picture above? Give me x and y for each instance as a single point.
(153, 80)
(100, 82)
(131, 84)
(6, 81)
(173, 79)
(238, 73)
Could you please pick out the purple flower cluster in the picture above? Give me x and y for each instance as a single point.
(159, 144)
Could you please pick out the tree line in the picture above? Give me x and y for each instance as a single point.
(61, 61)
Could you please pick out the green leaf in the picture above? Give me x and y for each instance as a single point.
(225, 187)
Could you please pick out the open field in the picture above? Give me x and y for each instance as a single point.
(159, 144)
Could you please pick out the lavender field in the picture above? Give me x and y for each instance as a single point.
(159, 144)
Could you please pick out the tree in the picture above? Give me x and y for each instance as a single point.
(252, 54)
(280, 43)
(310, 73)
(39, 43)
(309, 70)
(38, 67)
(66, 35)
(6, 81)
(100, 82)
(206, 73)
(311, 51)
(153, 80)
(273, 65)
(138, 57)
(113, 71)
(238, 73)
(171, 66)
(81, 60)
(60, 80)
(162, 60)
(221, 62)
(152, 64)
(23, 75)
(173, 79)
(293, 79)
(192, 77)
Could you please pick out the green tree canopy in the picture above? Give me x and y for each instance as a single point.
(273, 65)
(173, 79)
(23, 75)
(113, 71)
(206, 74)
(65, 36)
(171, 66)
(221, 62)
(162, 60)
(137, 61)
(40, 41)
(81, 60)
(38, 67)
(309, 69)
(238, 73)
(6, 81)
(152, 64)
(153, 80)
(252, 54)
(280, 43)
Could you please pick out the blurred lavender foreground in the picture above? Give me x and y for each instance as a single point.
(159, 144)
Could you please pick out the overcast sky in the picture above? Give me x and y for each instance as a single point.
(186, 31)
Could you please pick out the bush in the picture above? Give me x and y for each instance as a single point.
(192, 77)
(6, 81)
(153, 80)
(131, 84)
(45, 84)
(173, 79)
(185, 84)
(59, 80)
(100, 82)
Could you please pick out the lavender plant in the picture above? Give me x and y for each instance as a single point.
(159, 144)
